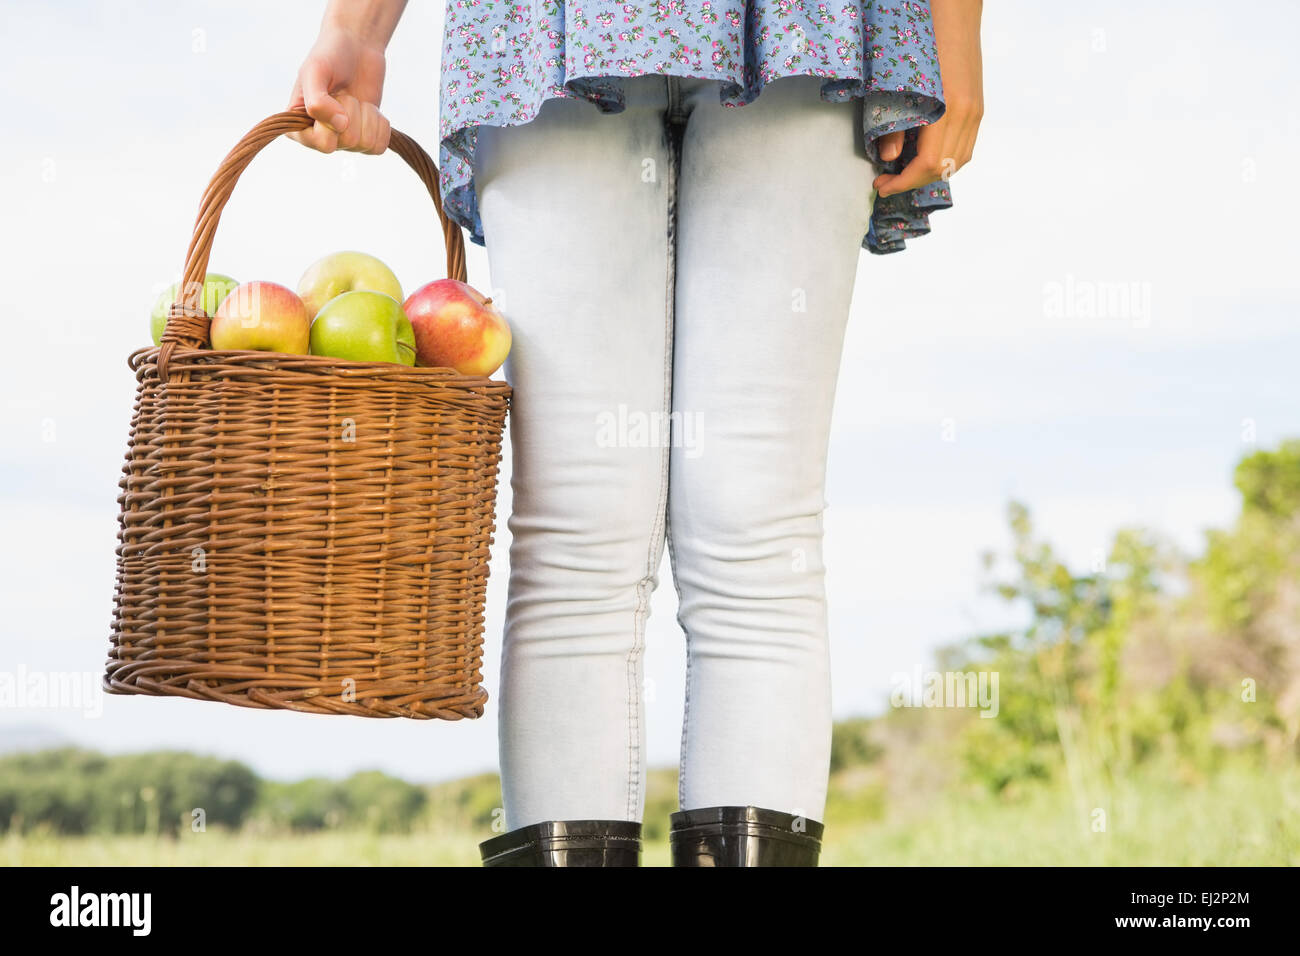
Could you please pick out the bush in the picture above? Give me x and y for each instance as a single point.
(851, 744)
(370, 800)
(74, 791)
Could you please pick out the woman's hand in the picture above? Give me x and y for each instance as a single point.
(946, 146)
(342, 80)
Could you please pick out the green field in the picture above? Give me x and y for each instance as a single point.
(1148, 714)
(1239, 817)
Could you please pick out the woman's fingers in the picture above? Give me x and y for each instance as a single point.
(364, 128)
(891, 146)
(351, 125)
(316, 81)
(367, 130)
(942, 148)
(311, 91)
(925, 167)
(914, 175)
(383, 134)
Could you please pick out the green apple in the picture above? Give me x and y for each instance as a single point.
(364, 327)
(215, 288)
(345, 272)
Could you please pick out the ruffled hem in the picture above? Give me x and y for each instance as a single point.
(913, 101)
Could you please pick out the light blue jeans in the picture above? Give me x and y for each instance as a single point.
(677, 276)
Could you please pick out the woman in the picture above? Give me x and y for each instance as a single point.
(673, 204)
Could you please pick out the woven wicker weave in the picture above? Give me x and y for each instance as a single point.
(300, 532)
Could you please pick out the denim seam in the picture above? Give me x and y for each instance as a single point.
(654, 551)
(685, 706)
(674, 118)
(673, 112)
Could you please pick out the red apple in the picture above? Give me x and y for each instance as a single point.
(262, 317)
(457, 327)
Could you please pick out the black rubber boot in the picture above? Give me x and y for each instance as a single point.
(566, 843)
(743, 836)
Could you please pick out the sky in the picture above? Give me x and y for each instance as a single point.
(1101, 327)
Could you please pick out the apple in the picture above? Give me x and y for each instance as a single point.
(457, 327)
(345, 272)
(215, 288)
(262, 317)
(364, 327)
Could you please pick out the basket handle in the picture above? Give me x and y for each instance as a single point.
(187, 323)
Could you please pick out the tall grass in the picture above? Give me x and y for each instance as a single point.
(1240, 816)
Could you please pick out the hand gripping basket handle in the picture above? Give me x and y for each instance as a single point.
(187, 323)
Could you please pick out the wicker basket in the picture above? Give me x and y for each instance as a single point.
(300, 532)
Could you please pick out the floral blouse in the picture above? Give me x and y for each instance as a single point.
(501, 61)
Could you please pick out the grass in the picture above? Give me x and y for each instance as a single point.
(1239, 816)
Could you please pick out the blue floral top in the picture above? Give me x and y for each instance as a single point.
(501, 61)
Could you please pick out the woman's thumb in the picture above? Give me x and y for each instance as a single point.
(313, 88)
